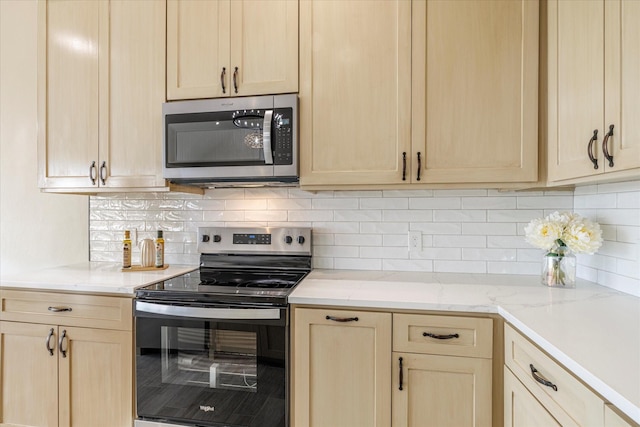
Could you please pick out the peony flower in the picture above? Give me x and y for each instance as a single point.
(564, 229)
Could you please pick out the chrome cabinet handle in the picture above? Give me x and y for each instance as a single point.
(605, 146)
(47, 342)
(593, 139)
(235, 79)
(404, 165)
(58, 309)
(222, 76)
(93, 175)
(62, 338)
(401, 374)
(342, 319)
(540, 379)
(103, 172)
(419, 166)
(440, 337)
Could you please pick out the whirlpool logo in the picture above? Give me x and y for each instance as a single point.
(207, 408)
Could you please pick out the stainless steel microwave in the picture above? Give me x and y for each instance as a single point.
(231, 141)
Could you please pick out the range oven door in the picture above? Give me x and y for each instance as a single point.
(211, 366)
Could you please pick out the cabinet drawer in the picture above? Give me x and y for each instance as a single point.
(75, 310)
(564, 390)
(446, 335)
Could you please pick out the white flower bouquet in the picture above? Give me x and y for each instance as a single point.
(563, 234)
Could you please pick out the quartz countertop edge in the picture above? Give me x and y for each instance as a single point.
(92, 276)
(591, 316)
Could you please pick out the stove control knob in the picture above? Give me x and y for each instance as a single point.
(301, 239)
(217, 238)
(288, 240)
(205, 238)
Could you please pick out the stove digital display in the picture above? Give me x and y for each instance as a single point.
(252, 239)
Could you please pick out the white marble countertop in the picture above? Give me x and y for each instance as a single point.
(592, 330)
(94, 277)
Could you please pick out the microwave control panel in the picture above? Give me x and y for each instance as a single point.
(283, 144)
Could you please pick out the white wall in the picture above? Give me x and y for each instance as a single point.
(36, 230)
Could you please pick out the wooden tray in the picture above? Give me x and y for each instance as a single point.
(141, 268)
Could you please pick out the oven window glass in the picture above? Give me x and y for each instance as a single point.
(211, 358)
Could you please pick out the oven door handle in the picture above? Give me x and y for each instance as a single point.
(208, 312)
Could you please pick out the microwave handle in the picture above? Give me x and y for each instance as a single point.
(266, 137)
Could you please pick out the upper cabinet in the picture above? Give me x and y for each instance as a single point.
(594, 64)
(426, 92)
(231, 48)
(101, 74)
(475, 91)
(355, 91)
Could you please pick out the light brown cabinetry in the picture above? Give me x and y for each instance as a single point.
(231, 48)
(55, 373)
(453, 101)
(341, 363)
(538, 388)
(593, 67)
(442, 373)
(101, 78)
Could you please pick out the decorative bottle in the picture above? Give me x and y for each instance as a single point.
(126, 250)
(159, 250)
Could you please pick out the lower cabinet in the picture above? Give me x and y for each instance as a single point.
(57, 374)
(539, 391)
(341, 368)
(359, 368)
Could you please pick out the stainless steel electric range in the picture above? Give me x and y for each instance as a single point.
(212, 345)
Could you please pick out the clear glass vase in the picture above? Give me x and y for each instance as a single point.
(559, 269)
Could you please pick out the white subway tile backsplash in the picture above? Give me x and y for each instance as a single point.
(463, 230)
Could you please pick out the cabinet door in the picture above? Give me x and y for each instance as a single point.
(198, 49)
(264, 47)
(475, 91)
(355, 91)
(71, 52)
(576, 87)
(341, 368)
(28, 375)
(95, 378)
(441, 391)
(622, 84)
(521, 409)
(130, 142)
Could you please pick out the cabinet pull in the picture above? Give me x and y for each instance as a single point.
(103, 172)
(401, 375)
(342, 319)
(59, 309)
(222, 76)
(542, 380)
(47, 342)
(62, 338)
(605, 146)
(440, 337)
(593, 139)
(235, 79)
(404, 165)
(419, 166)
(93, 175)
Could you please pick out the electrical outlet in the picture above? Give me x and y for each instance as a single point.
(415, 241)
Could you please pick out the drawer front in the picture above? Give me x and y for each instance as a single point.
(445, 335)
(89, 311)
(562, 389)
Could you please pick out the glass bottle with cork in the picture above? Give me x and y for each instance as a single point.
(159, 250)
